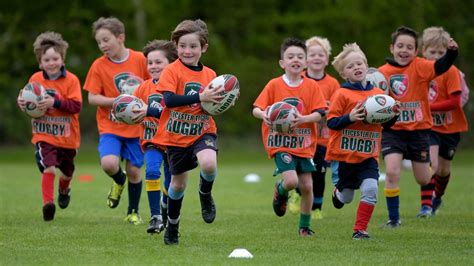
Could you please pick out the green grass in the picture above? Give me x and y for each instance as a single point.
(88, 232)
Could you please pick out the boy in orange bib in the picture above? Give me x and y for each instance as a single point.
(409, 77)
(56, 135)
(447, 114)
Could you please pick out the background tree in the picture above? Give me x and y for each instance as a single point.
(244, 40)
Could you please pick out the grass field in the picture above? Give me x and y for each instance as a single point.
(88, 232)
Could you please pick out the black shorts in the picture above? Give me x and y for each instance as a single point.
(48, 155)
(414, 145)
(319, 161)
(351, 175)
(447, 143)
(183, 159)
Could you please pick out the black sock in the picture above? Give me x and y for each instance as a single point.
(134, 193)
(119, 177)
(204, 185)
(174, 208)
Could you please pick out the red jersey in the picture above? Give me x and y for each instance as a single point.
(181, 126)
(109, 78)
(441, 87)
(56, 127)
(149, 94)
(359, 141)
(300, 141)
(409, 85)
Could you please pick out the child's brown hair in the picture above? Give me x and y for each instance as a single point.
(49, 39)
(403, 30)
(112, 24)
(197, 26)
(168, 47)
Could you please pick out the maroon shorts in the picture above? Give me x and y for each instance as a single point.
(48, 155)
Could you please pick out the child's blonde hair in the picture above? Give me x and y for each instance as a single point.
(434, 36)
(197, 26)
(114, 25)
(49, 39)
(323, 42)
(339, 61)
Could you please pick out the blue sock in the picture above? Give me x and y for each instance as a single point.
(393, 206)
(206, 182)
(134, 193)
(175, 200)
(154, 202)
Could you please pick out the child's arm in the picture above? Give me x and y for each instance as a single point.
(465, 90)
(453, 101)
(356, 114)
(446, 61)
(314, 117)
(209, 94)
(66, 105)
(261, 114)
(100, 100)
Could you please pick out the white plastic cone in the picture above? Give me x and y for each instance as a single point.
(240, 253)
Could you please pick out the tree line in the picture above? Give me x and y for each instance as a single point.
(245, 38)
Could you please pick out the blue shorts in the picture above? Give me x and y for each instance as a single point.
(154, 158)
(125, 148)
(351, 175)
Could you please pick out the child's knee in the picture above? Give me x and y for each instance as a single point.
(369, 190)
(209, 167)
(152, 173)
(346, 195)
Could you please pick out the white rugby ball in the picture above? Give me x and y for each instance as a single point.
(126, 107)
(281, 115)
(379, 108)
(377, 79)
(230, 93)
(32, 93)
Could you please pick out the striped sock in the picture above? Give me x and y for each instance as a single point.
(47, 187)
(134, 193)
(427, 193)
(364, 213)
(440, 184)
(152, 187)
(392, 195)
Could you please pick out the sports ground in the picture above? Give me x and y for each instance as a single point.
(88, 232)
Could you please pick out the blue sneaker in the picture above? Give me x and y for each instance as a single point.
(436, 204)
(425, 212)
